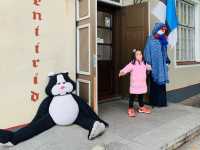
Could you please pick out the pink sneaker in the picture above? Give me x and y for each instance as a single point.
(145, 110)
(131, 112)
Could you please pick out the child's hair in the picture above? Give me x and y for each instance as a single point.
(133, 57)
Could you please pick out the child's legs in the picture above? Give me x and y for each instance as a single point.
(140, 100)
(131, 100)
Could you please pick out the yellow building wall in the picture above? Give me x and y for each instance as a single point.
(57, 53)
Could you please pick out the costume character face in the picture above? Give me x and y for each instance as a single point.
(60, 84)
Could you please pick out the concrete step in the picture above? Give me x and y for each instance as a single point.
(185, 138)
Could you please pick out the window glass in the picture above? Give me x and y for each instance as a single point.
(186, 31)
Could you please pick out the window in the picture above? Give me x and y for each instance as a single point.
(185, 51)
(104, 32)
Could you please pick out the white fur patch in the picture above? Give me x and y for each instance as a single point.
(61, 87)
(51, 74)
(9, 144)
(64, 109)
(97, 129)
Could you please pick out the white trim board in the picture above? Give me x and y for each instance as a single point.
(96, 59)
(186, 66)
(111, 2)
(193, 1)
(197, 32)
(78, 49)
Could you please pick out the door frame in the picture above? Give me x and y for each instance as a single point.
(117, 35)
(87, 20)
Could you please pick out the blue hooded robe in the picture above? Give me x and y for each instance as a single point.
(155, 54)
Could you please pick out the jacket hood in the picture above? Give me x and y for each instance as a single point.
(157, 27)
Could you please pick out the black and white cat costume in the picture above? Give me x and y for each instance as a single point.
(60, 107)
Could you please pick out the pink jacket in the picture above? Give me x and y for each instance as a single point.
(138, 83)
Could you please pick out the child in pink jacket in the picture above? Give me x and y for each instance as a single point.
(138, 86)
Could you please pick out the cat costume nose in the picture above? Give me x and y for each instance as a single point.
(62, 87)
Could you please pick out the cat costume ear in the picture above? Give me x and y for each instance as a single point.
(66, 73)
(50, 74)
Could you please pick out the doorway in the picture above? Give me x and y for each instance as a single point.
(119, 30)
(106, 52)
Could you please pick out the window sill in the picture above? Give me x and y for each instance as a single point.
(184, 63)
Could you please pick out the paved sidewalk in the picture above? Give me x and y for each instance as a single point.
(165, 128)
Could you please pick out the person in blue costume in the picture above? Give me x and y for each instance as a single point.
(155, 54)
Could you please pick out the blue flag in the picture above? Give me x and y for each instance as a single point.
(171, 17)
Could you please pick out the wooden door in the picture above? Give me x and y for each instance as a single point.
(134, 32)
(87, 51)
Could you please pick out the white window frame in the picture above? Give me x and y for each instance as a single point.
(197, 32)
(197, 36)
(112, 2)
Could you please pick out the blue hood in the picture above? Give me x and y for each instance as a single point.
(155, 54)
(157, 27)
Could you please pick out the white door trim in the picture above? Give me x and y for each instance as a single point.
(78, 49)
